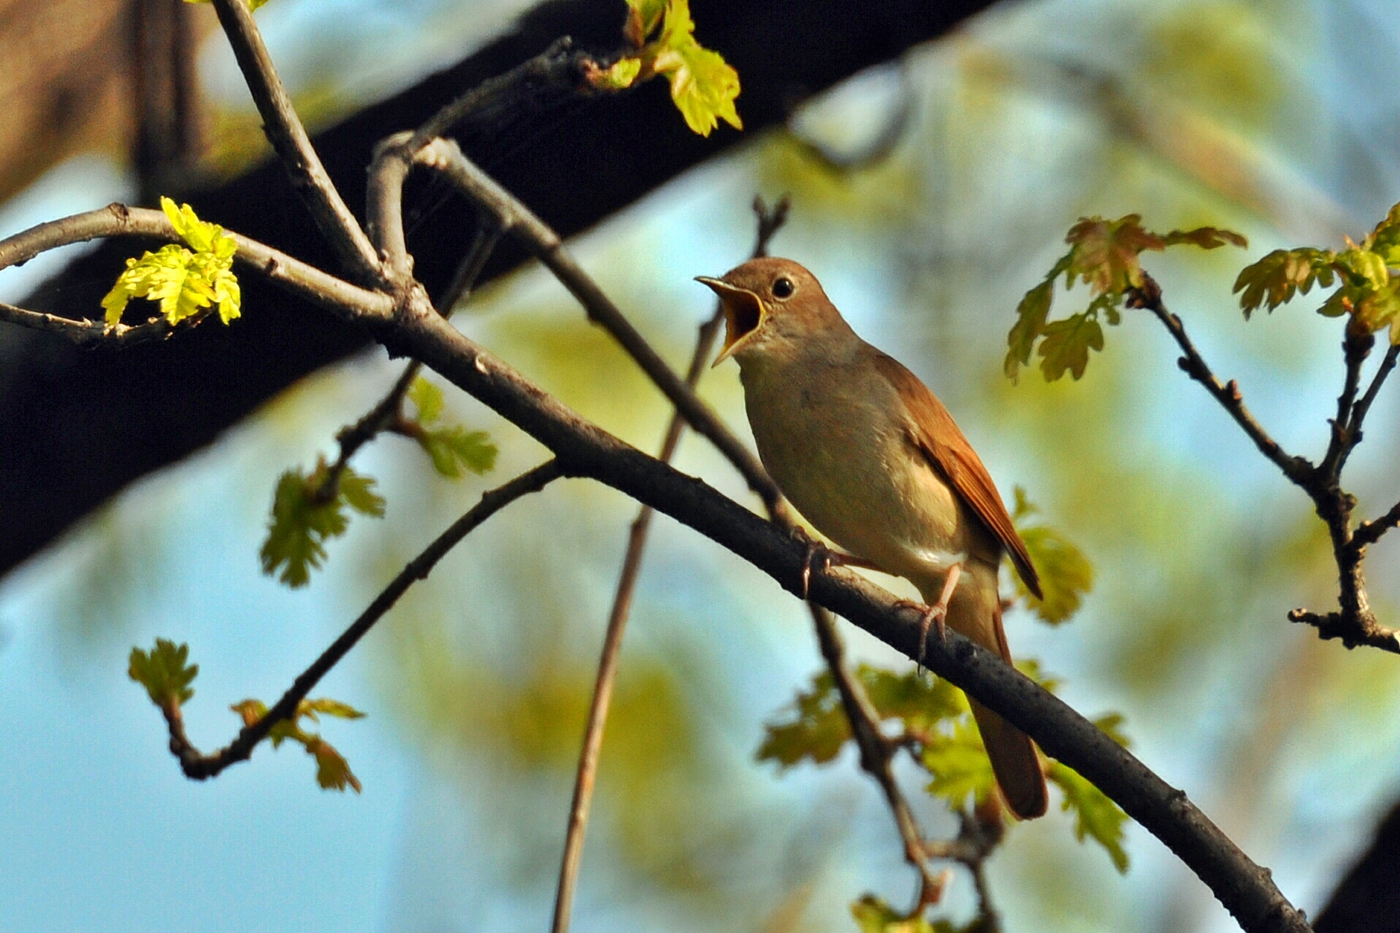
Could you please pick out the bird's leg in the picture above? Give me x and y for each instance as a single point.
(937, 613)
(828, 557)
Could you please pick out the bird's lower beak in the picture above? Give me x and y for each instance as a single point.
(743, 312)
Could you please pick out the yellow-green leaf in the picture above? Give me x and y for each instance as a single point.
(703, 85)
(1095, 816)
(301, 522)
(164, 672)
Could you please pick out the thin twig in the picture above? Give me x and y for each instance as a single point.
(89, 334)
(199, 766)
(1363, 407)
(1346, 432)
(293, 146)
(584, 778)
(446, 157)
(876, 755)
(1297, 469)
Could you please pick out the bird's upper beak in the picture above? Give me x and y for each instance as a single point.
(743, 312)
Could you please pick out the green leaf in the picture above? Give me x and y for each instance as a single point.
(815, 731)
(454, 449)
(1366, 268)
(1112, 726)
(921, 703)
(1031, 315)
(959, 765)
(1065, 574)
(164, 673)
(329, 707)
(301, 522)
(1385, 239)
(621, 74)
(1096, 816)
(1067, 344)
(184, 283)
(427, 398)
(1280, 275)
(703, 85)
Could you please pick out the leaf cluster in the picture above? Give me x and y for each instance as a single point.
(332, 770)
(1366, 290)
(662, 35)
(185, 281)
(931, 718)
(308, 509)
(1104, 255)
(165, 672)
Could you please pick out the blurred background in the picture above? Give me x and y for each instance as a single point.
(928, 195)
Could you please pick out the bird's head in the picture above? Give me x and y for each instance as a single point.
(766, 302)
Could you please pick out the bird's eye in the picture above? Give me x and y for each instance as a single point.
(783, 287)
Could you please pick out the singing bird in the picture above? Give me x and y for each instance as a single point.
(870, 456)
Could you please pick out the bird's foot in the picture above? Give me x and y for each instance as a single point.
(825, 557)
(935, 614)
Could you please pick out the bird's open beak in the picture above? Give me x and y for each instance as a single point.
(743, 312)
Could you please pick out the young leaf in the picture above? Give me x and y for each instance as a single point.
(703, 85)
(1031, 315)
(427, 398)
(816, 730)
(164, 673)
(1105, 253)
(301, 521)
(1095, 815)
(184, 283)
(921, 703)
(1065, 574)
(1280, 275)
(332, 770)
(1066, 345)
(873, 915)
(643, 16)
(454, 449)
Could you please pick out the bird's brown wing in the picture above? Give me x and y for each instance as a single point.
(936, 434)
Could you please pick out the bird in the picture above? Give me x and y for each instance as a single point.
(869, 455)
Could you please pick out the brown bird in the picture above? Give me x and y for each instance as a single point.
(866, 452)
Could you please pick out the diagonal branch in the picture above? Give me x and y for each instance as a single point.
(293, 146)
(1297, 469)
(200, 766)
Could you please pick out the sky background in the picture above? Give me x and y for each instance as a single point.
(1278, 119)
